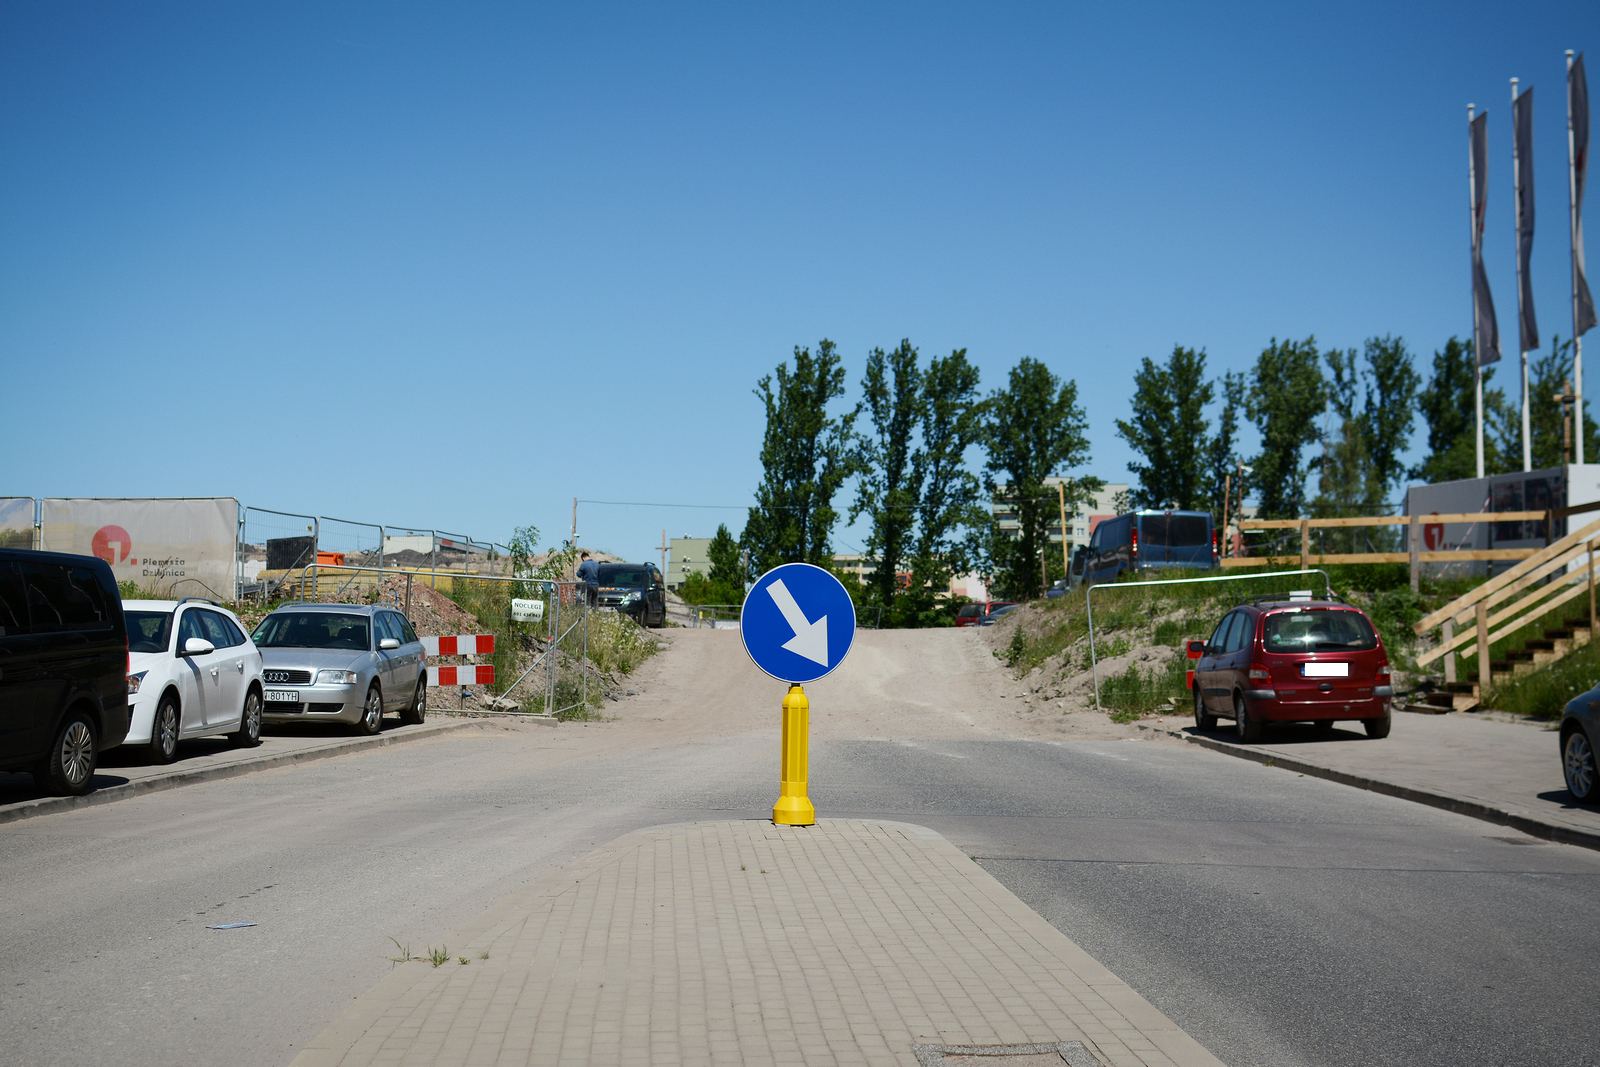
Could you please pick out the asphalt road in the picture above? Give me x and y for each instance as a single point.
(1280, 920)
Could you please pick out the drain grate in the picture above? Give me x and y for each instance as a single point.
(1047, 1055)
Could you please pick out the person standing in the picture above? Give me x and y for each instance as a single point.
(589, 575)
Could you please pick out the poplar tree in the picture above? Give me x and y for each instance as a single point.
(806, 455)
(1168, 429)
(1034, 430)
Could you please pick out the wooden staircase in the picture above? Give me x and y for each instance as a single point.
(1534, 655)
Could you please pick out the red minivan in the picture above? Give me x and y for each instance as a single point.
(1282, 659)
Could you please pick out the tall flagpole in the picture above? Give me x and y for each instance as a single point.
(1477, 339)
(1516, 221)
(1572, 222)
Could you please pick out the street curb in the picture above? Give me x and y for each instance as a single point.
(1565, 835)
(110, 794)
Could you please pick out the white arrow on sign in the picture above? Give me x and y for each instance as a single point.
(810, 638)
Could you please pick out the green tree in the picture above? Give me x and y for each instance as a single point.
(1548, 378)
(1284, 401)
(806, 455)
(724, 556)
(1388, 412)
(1448, 410)
(1168, 429)
(889, 488)
(1222, 451)
(949, 514)
(1034, 429)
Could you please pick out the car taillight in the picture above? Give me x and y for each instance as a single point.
(1216, 545)
(1258, 673)
(1383, 671)
(1135, 550)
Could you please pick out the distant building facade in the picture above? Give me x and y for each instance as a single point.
(1080, 523)
(686, 556)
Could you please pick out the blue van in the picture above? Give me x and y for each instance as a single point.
(1147, 539)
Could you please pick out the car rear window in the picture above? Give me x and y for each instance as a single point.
(969, 611)
(1318, 630)
(1174, 531)
(149, 631)
(13, 601)
(622, 577)
(308, 629)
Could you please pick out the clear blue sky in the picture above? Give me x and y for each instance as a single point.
(454, 265)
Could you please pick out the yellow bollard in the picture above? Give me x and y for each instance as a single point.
(794, 808)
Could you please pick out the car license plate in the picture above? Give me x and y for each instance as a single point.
(1325, 670)
(282, 696)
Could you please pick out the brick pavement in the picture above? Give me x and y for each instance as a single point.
(746, 943)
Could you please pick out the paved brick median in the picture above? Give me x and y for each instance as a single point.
(746, 943)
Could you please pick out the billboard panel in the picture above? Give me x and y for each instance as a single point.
(177, 547)
(16, 522)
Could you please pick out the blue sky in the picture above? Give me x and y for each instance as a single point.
(454, 265)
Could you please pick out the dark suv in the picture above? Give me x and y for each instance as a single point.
(1285, 659)
(635, 589)
(63, 667)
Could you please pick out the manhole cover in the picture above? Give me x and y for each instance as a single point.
(1053, 1054)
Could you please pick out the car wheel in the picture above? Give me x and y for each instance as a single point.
(1378, 728)
(1248, 729)
(66, 771)
(164, 731)
(372, 714)
(249, 733)
(1577, 764)
(417, 710)
(1203, 719)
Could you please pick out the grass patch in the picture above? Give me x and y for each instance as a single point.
(1138, 692)
(1544, 693)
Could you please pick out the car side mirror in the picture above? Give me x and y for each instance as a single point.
(388, 643)
(197, 646)
(1196, 649)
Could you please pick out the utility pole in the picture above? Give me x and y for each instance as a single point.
(663, 555)
(1061, 496)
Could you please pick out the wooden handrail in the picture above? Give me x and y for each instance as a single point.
(1404, 520)
(1495, 584)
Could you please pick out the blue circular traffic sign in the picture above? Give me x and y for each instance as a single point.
(797, 623)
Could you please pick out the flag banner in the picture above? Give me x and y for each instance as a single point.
(1522, 134)
(1578, 114)
(1485, 328)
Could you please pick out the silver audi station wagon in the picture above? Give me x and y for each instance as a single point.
(345, 663)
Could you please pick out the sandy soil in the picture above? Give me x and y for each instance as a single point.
(896, 684)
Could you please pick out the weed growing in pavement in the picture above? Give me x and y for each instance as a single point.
(439, 956)
(463, 960)
(405, 954)
(483, 955)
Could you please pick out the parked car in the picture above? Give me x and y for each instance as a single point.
(343, 663)
(63, 667)
(1578, 731)
(192, 672)
(1059, 588)
(1140, 539)
(1287, 659)
(974, 614)
(998, 611)
(636, 590)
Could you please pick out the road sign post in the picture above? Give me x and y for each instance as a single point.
(798, 623)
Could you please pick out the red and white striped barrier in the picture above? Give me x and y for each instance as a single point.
(477, 674)
(460, 645)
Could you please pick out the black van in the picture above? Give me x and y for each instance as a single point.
(63, 667)
(634, 589)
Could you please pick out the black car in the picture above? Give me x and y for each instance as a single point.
(634, 589)
(63, 667)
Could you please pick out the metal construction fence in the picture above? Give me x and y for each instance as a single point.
(162, 543)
